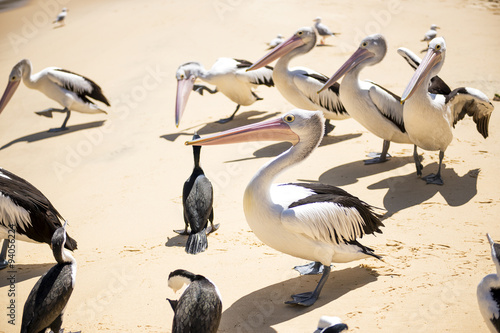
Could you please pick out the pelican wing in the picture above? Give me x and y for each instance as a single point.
(472, 102)
(388, 104)
(310, 82)
(261, 76)
(80, 85)
(330, 214)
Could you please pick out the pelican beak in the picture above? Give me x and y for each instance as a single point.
(279, 51)
(269, 130)
(359, 56)
(431, 59)
(9, 92)
(184, 87)
(490, 239)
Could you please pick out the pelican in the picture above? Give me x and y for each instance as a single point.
(429, 118)
(323, 30)
(488, 292)
(276, 41)
(47, 300)
(61, 16)
(197, 200)
(311, 221)
(430, 34)
(199, 309)
(70, 90)
(329, 324)
(299, 85)
(230, 78)
(26, 214)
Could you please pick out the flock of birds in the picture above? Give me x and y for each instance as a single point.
(317, 222)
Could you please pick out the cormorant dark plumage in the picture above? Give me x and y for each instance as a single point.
(199, 309)
(48, 299)
(197, 199)
(26, 210)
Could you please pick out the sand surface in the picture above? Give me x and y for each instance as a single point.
(118, 178)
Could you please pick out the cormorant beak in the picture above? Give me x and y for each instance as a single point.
(279, 51)
(9, 92)
(184, 87)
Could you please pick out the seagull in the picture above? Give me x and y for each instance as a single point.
(299, 85)
(26, 214)
(429, 118)
(69, 89)
(488, 291)
(430, 34)
(276, 41)
(312, 221)
(61, 16)
(199, 309)
(323, 30)
(230, 78)
(47, 300)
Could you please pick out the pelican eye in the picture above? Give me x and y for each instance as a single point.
(13, 78)
(364, 44)
(438, 47)
(299, 33)
(182, 76)
(289, 118)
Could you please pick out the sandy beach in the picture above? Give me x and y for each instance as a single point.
(118, 178)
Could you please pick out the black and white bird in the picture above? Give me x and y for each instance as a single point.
(47, 301)
(197, 201)
(300, 85)
(199, 309)
(69, 89)
(276, 41)
(27, 212)
(229, 76)
(60, 19)
(488, 291)
(329, 324)
(323, 30)
(429, 117)
(312, 221)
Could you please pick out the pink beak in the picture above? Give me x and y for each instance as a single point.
(7, 95)
(431, 59)
(184, 88)
(279, 51)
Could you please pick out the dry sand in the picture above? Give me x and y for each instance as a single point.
(118, 178)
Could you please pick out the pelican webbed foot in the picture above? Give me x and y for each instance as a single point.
(225, 120)
(199, 89)
(309, 298)
(434, 179)
(328, 127)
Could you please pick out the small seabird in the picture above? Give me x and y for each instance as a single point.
(429, 118)
(47, 301)
(276, 41)
(329, 324)
(199, 309)
(430, 34)
(323, 30)
(27, 212)
(229, 76)
(197, 200)
(312, 221)
(61, 16)
(488, 291)
(69, 89)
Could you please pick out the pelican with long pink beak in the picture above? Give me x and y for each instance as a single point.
(429, 117)
(312, 221)
(69, 89)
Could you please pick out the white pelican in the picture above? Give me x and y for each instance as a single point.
(299, 85)
(429, 118)
(199, 309)
(228, 75)
(61, 16)
(488, 292)
(70, 90)
(323, 30)
(311, 221)
(329, 324)
(430, 34)
(276, 41)
(47, 301)
(27, 212)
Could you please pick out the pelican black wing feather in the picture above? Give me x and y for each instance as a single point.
(495, 294)
(266, 80)
(335, 88)
(96, 92)
(399, 123)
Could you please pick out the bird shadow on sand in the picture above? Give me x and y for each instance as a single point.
(176, 241)
(244, 118)
(23, 272)
(264, 308)
(47, 135)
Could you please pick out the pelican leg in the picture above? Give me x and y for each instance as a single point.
(328, 127)
(312, 268)
(225, 120)
(4, 263)
(309, 298)
(63, 126)
(436, 178)
(257, 97)
(382, 157)
(416, 158)
(48, 112)
(199, 89)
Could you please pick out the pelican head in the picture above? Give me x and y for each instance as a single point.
(371, 51)
(429, 67)
(303, 40)
(15, 77)
(186, 75)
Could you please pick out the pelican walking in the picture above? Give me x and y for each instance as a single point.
(488, 291)
(429, 118)
(311, 221)
(229, 77)
(69, 89)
